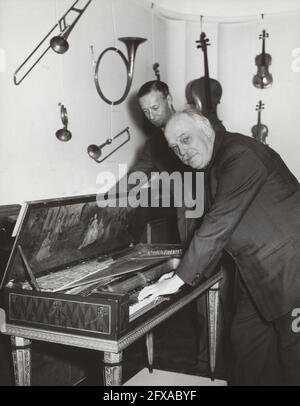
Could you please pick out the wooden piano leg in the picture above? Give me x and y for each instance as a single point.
(112, 368)
(21, 354)
(150, 347)
(212, 306)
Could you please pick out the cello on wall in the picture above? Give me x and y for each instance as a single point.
(263, 78)
(259, 130)
(205, 93)
(156, 70)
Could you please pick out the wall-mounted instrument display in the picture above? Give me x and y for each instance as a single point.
(63, 134)
(263, 78)
(132, 44)
(259, 130)
(156, 70)
(205, 93)
(95, 151)
(58, 43)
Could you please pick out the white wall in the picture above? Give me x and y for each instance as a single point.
(222, 8)
(239, 44)
(33, 163)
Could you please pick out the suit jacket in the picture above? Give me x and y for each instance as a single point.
(156, 156)
(254, 216)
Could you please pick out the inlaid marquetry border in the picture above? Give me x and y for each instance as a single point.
(25, 320)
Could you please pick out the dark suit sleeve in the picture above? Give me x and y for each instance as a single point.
(144, 163)
(240, 177)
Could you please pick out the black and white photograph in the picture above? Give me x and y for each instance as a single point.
(149, 196)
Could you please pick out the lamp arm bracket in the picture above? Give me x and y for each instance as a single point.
(63, 115)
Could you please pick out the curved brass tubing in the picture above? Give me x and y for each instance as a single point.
(132, 44)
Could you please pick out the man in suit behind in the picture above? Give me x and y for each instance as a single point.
(156, 103)
(254, 216)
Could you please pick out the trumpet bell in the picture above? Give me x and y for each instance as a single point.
(63, 135)
(59, 44)
(94, 151)
(132, 44)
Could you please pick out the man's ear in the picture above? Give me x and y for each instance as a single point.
(170, 100)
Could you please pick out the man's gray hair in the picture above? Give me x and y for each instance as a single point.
(195, 115)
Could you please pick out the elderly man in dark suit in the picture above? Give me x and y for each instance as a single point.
(254, 216)
(156, 102)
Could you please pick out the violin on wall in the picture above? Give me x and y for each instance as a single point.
(259, 130)
(263, 78)
(205, 93)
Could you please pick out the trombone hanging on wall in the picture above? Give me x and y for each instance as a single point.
(95, 151)
(132, 44)
(58, 43)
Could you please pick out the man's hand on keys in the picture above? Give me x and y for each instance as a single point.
(167, 284)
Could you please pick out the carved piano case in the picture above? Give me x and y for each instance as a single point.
(74, 274)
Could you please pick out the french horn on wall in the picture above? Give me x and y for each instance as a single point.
(132, 44)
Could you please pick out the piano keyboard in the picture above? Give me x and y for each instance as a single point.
(143, 306)
(164, 253)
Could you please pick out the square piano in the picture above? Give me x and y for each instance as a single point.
(74, 275)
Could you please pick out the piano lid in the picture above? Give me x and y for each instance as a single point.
(57, 233)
